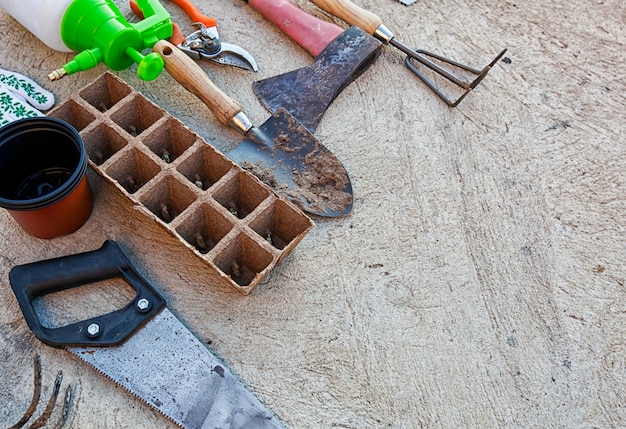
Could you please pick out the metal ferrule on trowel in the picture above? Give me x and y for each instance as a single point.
(340, 57)
(241, 123)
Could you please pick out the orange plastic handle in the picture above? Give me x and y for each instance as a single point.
(196, 16)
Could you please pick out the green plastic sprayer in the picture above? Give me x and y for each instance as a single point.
(98, 31)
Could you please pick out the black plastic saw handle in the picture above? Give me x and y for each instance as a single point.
(37, 279)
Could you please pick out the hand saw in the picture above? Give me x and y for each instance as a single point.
(142, 347)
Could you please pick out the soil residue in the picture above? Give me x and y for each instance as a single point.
(322, 182)
(264, 174)
(320, 178)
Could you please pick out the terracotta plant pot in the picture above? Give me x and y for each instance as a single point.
(43, 182)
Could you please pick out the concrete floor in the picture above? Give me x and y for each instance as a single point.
(480, 279)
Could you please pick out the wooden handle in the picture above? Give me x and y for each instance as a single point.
(195, 80)
(308, 31)
(350, 13)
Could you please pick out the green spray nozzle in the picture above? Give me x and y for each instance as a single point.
(98, 31)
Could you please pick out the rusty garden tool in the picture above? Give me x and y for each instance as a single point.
(300, 167)
(44, 418)
(340, 57)
(355, 15)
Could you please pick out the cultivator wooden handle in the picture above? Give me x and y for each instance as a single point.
(351, 13)
(444, 67)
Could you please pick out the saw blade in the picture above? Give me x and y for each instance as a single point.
(167, 367)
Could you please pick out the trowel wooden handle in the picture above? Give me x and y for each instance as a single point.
(195, 80)
(308, 31)
(351, 13)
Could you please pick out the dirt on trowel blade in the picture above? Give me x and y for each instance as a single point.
(321, 178)
(321, 185)
(263, 174)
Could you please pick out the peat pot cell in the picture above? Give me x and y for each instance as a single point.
(243, 259)
(205, 167)
(74, 114)
(102, 143)
(241, 194)
(204, 228)
(133, 170)
(170, 140)
(136, 115)
(105, 92)
(280, 224)
(168, 199)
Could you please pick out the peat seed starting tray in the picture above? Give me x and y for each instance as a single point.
(220, 212)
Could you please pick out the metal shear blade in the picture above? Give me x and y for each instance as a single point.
(234, 55)
(205, 43)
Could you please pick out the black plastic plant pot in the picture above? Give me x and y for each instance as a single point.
(43, 181)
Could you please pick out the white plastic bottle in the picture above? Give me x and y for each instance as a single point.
(40, 17)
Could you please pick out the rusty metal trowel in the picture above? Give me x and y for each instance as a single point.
(281, 152)
(142, 347)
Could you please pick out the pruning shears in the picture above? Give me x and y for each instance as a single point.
(205, 43)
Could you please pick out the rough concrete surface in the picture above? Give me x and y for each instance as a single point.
(480, 279)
